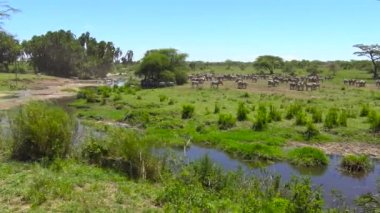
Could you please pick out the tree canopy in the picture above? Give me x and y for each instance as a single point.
(60, 53)
(163, 65)
(9, 49)
(373, 53)
(268, 63)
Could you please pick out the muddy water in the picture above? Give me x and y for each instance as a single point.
(329, 177)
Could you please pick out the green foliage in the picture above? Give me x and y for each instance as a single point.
(187, 111)
(216, 108)
(268, 63)
(163, 97)
(316, 115)
(203, 187)
(242, 112)
(374, 120)
(331, 119)
(180, 77)
(342, 120)
(89, 94)
(356, 163)
(9, 49)
(293, 110)
(311, 131)
(308, 156)
(364, 110)
(226, 121)
(40, 130)
(126, 152)
(261, 120)
(274, 114)
(301, 118)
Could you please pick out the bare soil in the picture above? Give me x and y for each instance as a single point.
(42, 90)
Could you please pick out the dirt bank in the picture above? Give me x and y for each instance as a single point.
(42, 90)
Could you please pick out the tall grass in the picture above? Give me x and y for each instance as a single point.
(242, 112)
(308, 156)
(40, 130)
(356, 163)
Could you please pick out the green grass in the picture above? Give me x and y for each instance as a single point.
(8, 81)
(158, 113)
(356, 163)
(69, 186)
(308, 157)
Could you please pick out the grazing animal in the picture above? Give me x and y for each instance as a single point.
(216, 83)
(292, 85)
(194, 83)
(360, 83)
(300, 86)
(273, 83)
(242, 85)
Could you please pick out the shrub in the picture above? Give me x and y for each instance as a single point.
(245, 95)
(308, 156)
(187, 111)
(116, 97)
(180, 77)
(260, 122)
(171, 102)
(364, 110)
(374, 121)
(331, 119)
(40, 130)
(163, 97)
(293, 109)
(226, 121)
(242, 112)
(274, 114)
(356, 163)
(89, 94)
(342, 120)
(301, 118)
(316, 115)
(311, 131)
(216, 108)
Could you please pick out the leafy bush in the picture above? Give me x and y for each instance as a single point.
(331, 119)
(364, 110)
(374, 121)
(242, 112)
(301, 118)
(311, 131)
(342, 120)
(40, 130)
(171, 102)
(216, 108)
(187, 111)
(89, 94)
(308, 156)
(274, 114)
(180, 77)
(356, 163)
(226, 121)
(260, 122)
(316, 115)
(116, 97)
(163, 97)
(293, 110)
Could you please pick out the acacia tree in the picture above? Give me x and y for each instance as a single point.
(5, 12)
(373, 53)
(269, 63)
(163, 64)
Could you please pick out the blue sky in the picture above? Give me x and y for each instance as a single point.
(211, 30)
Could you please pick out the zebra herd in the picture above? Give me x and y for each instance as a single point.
(355, 82)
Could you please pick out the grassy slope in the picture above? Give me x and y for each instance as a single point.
(68, 186)
(24, 80)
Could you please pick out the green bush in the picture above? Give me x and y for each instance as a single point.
(41, 130)
(261, 119)
(293, 110)
(374, 121)
(216, 108)
(311, 131)
(274, 114)
(364, 110)
(89, 94)
(331, 119)
(187, 111)
(180, 77)
(308, 156)
(242, 112)
(342, 120)
(226, 121)
(163, 97)
(301, 118)
(316, 115)
(356, 163)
